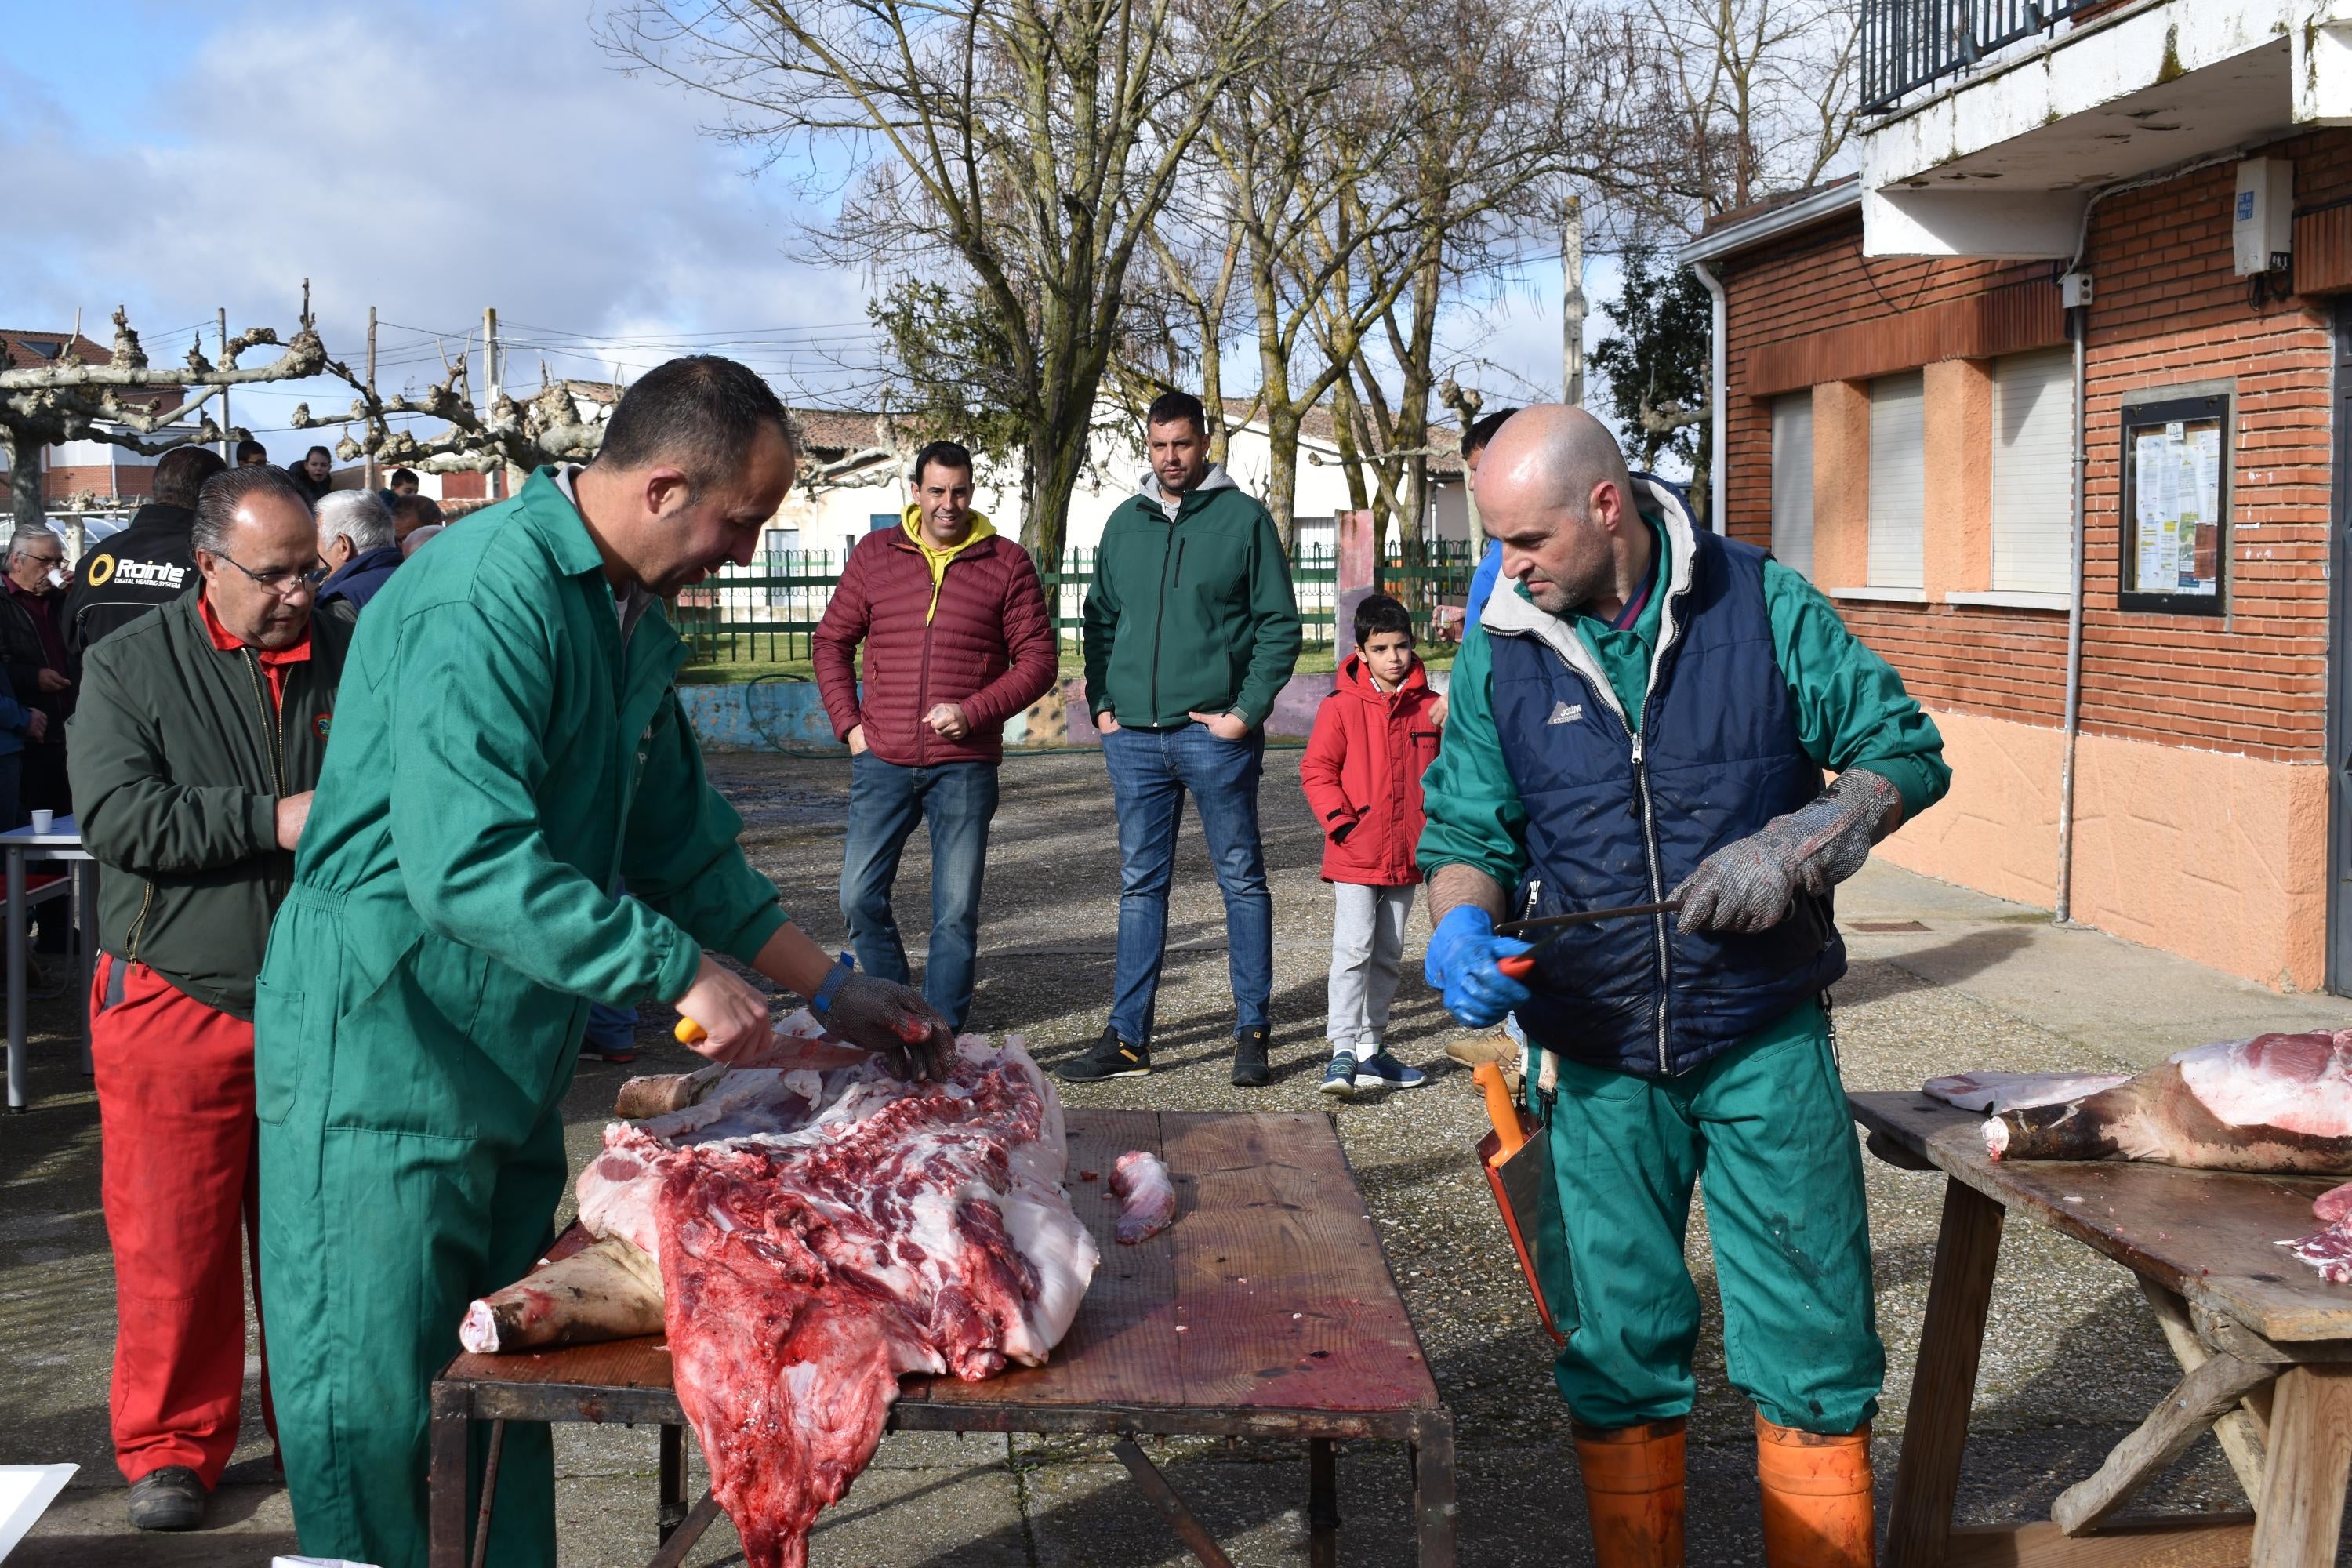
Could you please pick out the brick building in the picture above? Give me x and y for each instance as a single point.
(1903, 360)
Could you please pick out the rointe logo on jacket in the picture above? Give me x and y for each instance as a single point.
(135, 573)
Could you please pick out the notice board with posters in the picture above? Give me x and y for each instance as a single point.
(2176, 506)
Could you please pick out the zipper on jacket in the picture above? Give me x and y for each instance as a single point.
(139, 925)
(1658, 893)
(1173, 554)
(923, 673)
(272, 728)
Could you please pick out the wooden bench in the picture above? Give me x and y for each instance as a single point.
(1267, 1310)
(2265, 1345)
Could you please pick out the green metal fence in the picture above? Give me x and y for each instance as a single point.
(766, 613)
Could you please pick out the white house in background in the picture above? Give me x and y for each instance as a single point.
(874, 487)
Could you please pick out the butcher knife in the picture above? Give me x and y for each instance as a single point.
(1524, 964)
(1516, 1158)
(788, 1052)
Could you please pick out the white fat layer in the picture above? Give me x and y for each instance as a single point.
(479, 1332)
(2300, 1084)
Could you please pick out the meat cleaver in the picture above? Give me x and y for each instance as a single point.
(1516, 1158)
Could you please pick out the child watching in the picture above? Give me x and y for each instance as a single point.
(1374, 735)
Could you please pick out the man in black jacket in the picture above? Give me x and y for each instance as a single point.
(148, 563)
(40, 674)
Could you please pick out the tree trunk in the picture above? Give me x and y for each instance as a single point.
(25, 498)
(1281, 498)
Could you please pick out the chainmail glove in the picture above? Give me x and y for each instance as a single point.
(893, 1022)
(1748, 885)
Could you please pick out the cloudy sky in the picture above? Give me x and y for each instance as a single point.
(431, 159)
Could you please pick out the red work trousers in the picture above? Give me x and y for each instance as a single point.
(175, 1110)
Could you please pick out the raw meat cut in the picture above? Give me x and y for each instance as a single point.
(608, 1291)
(1147, 1198)
(2276, 1103)
(821, 1235)
(1994, 1092)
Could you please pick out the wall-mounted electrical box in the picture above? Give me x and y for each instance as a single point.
(2262, 223)
(2074, 290)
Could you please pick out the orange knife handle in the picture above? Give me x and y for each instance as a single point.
(688, 1032)
(1500, 1108)
(1519, 966)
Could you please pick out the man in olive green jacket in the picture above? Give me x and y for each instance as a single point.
(200, 731)
(510, 745)
(1191, 630)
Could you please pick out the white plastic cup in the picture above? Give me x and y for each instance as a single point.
(44, 820)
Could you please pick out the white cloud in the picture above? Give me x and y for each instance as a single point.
(426, 161)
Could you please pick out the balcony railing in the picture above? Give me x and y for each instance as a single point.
(1907, 44)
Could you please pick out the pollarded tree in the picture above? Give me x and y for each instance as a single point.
(129, 402)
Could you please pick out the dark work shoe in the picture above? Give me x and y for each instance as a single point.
(168, 1498)
(1109, 1056)
(1250, 1067)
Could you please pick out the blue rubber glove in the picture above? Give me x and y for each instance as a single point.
(1461, 965)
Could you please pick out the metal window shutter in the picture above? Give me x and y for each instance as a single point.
(2033, 472)
(1898, 483)
(1792, 482)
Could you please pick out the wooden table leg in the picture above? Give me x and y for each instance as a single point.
(446, 1487)
(1322, 1503)
(1433, 1489)
(2302, 1507)
(1944, 1383)
(671, 1511)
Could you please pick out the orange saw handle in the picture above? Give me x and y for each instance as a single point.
(1500, 1110)
(1518, 967)
(688, 1032)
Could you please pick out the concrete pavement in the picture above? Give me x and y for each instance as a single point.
(2072, 1361)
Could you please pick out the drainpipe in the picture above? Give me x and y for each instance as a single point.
(2078, 328)
(1717, 355)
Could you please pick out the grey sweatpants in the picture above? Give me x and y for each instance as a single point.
(1367, 941)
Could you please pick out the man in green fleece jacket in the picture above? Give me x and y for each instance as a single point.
(1191, 630)
(1643, 710)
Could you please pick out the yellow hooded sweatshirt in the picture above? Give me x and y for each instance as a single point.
(937, 558)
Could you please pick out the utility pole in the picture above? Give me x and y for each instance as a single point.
(1572, 303)
(228, 447)
(497, 480)
(368, 476)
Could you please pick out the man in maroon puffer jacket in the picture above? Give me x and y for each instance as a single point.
(957, 641)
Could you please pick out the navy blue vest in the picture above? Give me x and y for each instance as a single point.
(1718, 758)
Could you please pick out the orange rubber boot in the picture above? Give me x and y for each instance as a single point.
(1817, 1504)
(1633, 1493)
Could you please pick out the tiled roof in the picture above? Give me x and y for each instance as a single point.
(836, 432)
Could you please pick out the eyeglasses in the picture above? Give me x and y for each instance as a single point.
(286, 582)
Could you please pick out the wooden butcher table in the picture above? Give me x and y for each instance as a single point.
(2265, 1349)
(1265, 1310)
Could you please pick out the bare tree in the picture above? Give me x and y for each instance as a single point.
(555, 426)
(1031, 143)
(1760, 95)
(129, 403)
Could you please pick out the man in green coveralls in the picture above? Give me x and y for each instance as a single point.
(1643, 710)
(508, 746)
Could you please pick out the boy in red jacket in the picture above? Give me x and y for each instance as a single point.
(1374, 735)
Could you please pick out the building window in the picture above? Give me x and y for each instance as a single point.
(1899, 486)
(1792, 482)
(2033, 472)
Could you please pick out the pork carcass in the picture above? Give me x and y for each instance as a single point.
(1147, 1198)
(2276, 1104)
(819, 1235)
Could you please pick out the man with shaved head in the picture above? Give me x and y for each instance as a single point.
(1642, 713)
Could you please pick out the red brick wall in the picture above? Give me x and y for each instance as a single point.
(2168, 310)
(129, 482)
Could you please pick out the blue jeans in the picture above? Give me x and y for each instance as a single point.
(955, 802)
(1151, 774)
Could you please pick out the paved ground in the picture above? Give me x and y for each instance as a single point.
(2072, 1362)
